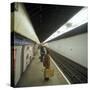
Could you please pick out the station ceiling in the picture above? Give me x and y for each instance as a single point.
(47, 18)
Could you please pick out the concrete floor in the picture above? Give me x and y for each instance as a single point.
(33, 76)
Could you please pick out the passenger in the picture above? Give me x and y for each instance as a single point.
(46, 64)
(43, 51)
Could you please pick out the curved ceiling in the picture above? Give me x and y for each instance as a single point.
(47, 18)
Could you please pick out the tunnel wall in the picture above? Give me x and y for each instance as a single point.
(21, 23)
(74, 48)
(23, 56)
(27, 55)
(22, 52)
(17, 63)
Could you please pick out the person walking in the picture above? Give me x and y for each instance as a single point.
(46, 64)
(43, 52)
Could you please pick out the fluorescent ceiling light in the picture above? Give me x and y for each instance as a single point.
(80, 18)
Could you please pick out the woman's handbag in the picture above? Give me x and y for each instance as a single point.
(49, 72)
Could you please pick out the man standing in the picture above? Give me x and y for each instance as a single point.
(43, 52)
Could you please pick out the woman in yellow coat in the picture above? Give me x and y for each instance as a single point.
(46, 64)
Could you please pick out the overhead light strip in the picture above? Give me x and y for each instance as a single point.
(79, 19)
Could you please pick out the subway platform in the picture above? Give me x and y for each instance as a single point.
(34, 75)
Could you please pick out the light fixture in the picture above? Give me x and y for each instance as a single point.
(79, 19)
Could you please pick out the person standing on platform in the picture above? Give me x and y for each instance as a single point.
(43, 52)
(46, 64)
